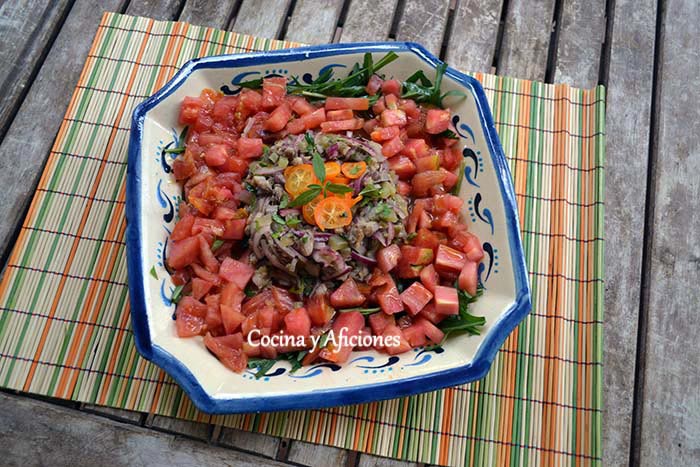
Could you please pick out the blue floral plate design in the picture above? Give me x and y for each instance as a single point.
(153, 196)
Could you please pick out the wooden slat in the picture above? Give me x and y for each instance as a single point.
(581, 35)
(181, 427)
(526, 35)
(33, 432)
(314, 21)
(424, 21)
(368, 20)
(115, 414)
(210, 13)
(628, 119)
(474, 33)
(250, 21)
(374, 461)
(670, 421)
(256, 443)
(26, 27)
(156, 9)
(29, 138)
(316, 455)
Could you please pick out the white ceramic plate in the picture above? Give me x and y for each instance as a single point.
(153, 195)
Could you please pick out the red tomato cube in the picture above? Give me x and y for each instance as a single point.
(448, 260)
(394, 118)
(298, 323)
(342, 125)
(278, 118)
(273, 92)
(384, 134)
(296, 126)
(319, 309)
(379, 321)
(183, 252)
(236, 272)
(232, 358)
(200, 288)
(250, 148)
(394, 341)
(347, 295)
(446, 300)
(429, 277)
(388, 257)
(468, 278)
(350, 324)
(423, 164)
(300, 105)
(416, 297)
(373, 85)
(391, 86)
(424, 181)
(432, 332)
(402, 166)
(344, 114)
(216, 155)
(352, 103)
(314, 119)
(189, 110)
(388, 297)
(415, 335)
(437, 121)
(251, 100)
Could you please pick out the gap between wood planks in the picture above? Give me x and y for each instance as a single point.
(650, 203)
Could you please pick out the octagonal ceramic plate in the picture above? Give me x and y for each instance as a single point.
(153, 195)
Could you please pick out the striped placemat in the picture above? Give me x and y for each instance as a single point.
(64, 322)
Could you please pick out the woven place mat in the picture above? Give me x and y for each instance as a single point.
(64, 323)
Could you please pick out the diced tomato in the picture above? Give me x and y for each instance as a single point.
(300, 105)
(391, 86)
(278, 118)
(296, 126)
(402, 166)
(206, 256)
(423, 181)
(273, 92)
(409, 106)
(210, 139)
(415, 148)
(432, 332)
(314, 119)
(319, 309)
(429, 277)
(236, 272)
(298, 323)
(384, 134)
(251, 100)
(234, 229)
(403, 188)
(224, 108)
(392, 147)
(183, 252)
(448, 260)
(430, 314)
(416, 255)
(344, 114)
(388, 257)
(394, 118)
(189, 110)
(445, 221)
(252, 351)
(200, 288)
(437, 121)
(473, 249)
(250, 148)
(184, 168)
(347, 295)
(423, 164)
(426, 239)
(370, 125)
(446, 300)
(416, 297)
(468, 278)
(389, 298)
(373, 85)
(443, 203)
(231, 317)
(256, 302)
(189, 317)
(415, 335)
(234, 165)
(450, 179)
(349, 324)
(183, 228)
(213, 318)
(392, 334)
(379, 321)
(203, 123)
(267, 318)
(342, 125)
(391, 101)
(353, 103)
(379, 106)
(283, 300)
(451, 157)
(202, 273)
(232, 358)
(211, 227)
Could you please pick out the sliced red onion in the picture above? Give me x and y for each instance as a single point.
(244, 196)
(363, 259)
(380, 238)
(248, 125)
(268, 170)
(341, 273)
(332, 151)
(322, 235)
(391, 233)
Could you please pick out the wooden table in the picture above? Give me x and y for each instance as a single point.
(645, 52)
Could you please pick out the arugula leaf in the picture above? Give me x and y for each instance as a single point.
(177, 294)
(279, 219)
(465, 321)
(370, 191)
(449, 134)
(309, 138)
(305, 197)
(153, 272)
(293, 222)
(252, 84)
(180, 143)
(284, 201)
(338, 189)
(419, 88)
(262, 364)
(460, 177)
(364, 311)
(319, 166)
(249, 292)
(177, 150)
(217, 244)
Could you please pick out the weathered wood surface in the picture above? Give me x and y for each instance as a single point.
(670, 417)
(474, 35)
(30, 136)
(581, 36)
(526, 38)
(627, 133)
(156, 9)
(27, 32)
(250, 20)
(248, 441)
(325, 14)
(368, 20)
(196, 430)
(316, 455)
(367, 460)
(38, 433)
(424, 21)
(214, 14)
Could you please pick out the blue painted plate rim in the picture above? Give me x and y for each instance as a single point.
(473, 370)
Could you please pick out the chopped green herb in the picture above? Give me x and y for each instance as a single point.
(177, 292)
(449, 134)
(180, 143)
(338, 189)
(305, 197)
(153, 272)
(293, 221)
(419, 88)
(217, 244)
(460, 176)
(465, 321)
(284, 201)
(262, 365)
(279, 219)
(249, 292)
(177, 150)
(364, 311)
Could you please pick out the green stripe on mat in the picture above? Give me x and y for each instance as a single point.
(510, 417)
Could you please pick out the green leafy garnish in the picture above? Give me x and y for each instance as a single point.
(249, 292)
(364, 311)
(279, 219)
(449, 134)
(319, 167)
(419, 88)
(465, 321)
(180, 143)
(305, 197)
(262, 365)
(217, 244)
(284, 201)
(153, 272)
(338, 189)
(293, 221)
(460, 176)
(370, 191)
(177, 292)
